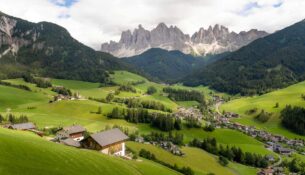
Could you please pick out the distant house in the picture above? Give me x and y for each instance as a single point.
(71, 142)
(284, 151)
(22, 126)
(108, 142)
(75, 132)
(267, 171)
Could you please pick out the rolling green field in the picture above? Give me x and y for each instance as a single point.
(36, 106)
(200, 161)
(27, 154)
(287, 96)
(228, 137)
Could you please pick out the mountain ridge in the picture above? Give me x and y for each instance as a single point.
(47, 49)
(268, 63)
(214, 40)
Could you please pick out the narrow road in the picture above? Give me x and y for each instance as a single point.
(217, 107)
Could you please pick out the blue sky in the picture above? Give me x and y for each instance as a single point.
(64, 3)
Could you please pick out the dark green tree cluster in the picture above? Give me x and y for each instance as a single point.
(193, 122)
(40, 82)
(147, 104)
(263, 116)
(14, 119)
(231, 153)
(164, 122)
(223, 161)
(293, 118)
(151, 90)
(148, 155)
(184, 95)
(295, 166)
(19, 86)
(62, 90)
(176, 138)
(135, 83)
(127, 88)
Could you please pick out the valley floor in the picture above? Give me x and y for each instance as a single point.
(36, 106)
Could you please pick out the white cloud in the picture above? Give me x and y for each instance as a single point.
(95, 21)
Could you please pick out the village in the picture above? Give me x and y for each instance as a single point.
(113, 141)
(276, 143)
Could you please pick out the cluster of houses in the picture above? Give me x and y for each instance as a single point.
(60, 97)
(272, 171)
(110, 142)
(191, 112)
(272, 141)
(166, 145)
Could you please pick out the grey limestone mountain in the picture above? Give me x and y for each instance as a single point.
(214, 40)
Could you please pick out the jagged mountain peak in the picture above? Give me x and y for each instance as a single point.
(213, 40)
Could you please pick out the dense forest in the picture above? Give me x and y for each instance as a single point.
(163, 65)
(50, 51)
(164, 122)
(184, 95)
(293, 118)
(275, 61)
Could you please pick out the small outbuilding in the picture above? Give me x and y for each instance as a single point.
(108, 142)
(23, 126)
(75, 132)
(71, 142)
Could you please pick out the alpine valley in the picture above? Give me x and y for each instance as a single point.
(156, 102)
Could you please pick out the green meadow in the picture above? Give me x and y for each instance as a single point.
(200, 161)
(287, 96)
(24, 153)
(36, 106)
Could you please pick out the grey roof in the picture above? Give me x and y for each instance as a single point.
(74, 129)
(109, 137)
(71, 142)
(23, 126)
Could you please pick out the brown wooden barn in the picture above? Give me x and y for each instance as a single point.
(108, 142)
(75, 132)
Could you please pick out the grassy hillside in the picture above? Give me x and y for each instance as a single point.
(200, 161)
(228, 137)
(83, 112)
(290, 95)
(28, 154)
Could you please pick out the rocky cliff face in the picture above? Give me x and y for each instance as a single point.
(12, 38)
(214, 40)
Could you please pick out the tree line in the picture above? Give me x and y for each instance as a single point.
(127, 88)
(147, 104)
(62, 91)
(19, 86)
(230, 153)
(40, 82)
(164, 122)
(293, 118)
(176, 138)
(184, 95)
(14, 119)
